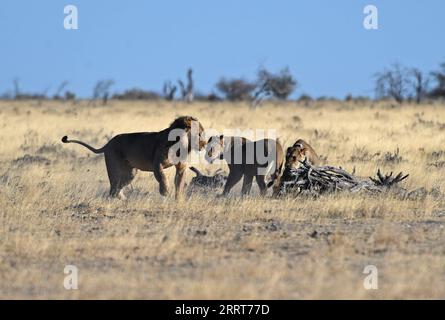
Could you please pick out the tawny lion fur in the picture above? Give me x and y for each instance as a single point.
(146, 151)
(226, 148)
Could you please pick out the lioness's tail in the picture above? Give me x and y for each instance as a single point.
(274, 176)
(101, 150)
(198, 173)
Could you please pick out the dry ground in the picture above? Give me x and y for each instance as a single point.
(54, 211)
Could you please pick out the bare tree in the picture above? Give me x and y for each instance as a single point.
(439, 79)
(187, 90)
(16, 86)
(392, 83)
(102, 90)
(419, 83)
(57, 95)
(21, 95)
(169, 90)
(279, 85)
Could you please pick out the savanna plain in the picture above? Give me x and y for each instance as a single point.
(54, 209)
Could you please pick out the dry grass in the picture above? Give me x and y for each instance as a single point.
(54, 211)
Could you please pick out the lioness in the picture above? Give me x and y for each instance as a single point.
(298, 152)
(247, 159)
(148, 151)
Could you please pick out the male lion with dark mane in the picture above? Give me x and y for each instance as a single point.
(149, 151)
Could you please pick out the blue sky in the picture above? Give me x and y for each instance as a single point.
(143, 43)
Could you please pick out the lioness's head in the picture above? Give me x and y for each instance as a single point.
(300, 151)
(194, 130)
(215, 148)
(294, 155)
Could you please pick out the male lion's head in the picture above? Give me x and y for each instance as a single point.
(194, 130)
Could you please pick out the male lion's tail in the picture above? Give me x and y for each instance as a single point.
(101, 150)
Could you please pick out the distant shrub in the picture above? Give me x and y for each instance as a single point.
(137, 94)
(406, 84)
(305, 97)
(326, 98)
(70, 96)
(350, 97)
(392, 83)
(207, 97)
(419, 83)
(280, 85)
(58, 94)
(6, 96)
(439, 78)
(31, 96)
(19, 95)
(236, 89)
(213, 97)
(169, 90)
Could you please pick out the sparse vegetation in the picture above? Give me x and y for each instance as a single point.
(236, 89)
(439, 77)
(187, 89)
(206, 247)
(169, 90)
(393, 83)
(401, 83)
(102, 90)
(396, 82)
(279, 85)
(419, 83)
(137, 94)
